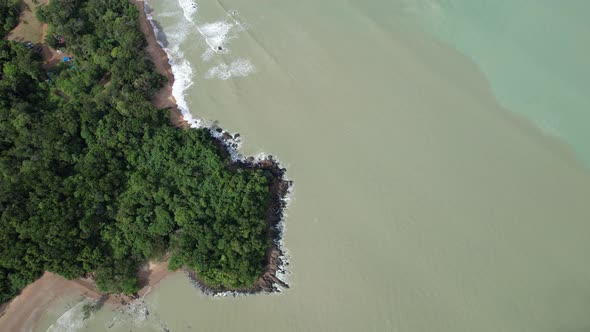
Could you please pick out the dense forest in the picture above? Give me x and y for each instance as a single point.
(93, 178)
(10, 11)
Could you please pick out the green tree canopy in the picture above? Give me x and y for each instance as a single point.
(93, 178)
(10, 10)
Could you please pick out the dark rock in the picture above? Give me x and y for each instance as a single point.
(279, 187)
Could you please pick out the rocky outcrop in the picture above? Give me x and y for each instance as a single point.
(269, 281)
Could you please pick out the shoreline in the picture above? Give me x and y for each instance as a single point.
(275, 267)
(24, 311)
(272, 279)
(163, 98)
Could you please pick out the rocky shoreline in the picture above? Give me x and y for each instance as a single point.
(272, 279)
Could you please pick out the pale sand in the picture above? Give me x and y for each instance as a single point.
(24, 311)
(29, 28)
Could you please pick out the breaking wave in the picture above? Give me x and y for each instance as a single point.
(72, 320)
(136, 315)
(216, 34)
(237, 68)
(189, 8)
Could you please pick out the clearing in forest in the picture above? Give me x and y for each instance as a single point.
(29, 28)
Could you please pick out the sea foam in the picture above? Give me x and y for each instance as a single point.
(217, 33)
(237, 68)
(189, 8)
(72, 320)
(137, 315)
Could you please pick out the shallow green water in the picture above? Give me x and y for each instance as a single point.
(534, 55)
(421, 201)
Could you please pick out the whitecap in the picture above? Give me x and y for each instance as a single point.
(216, 34)
(208, 55)
(189, 8)
(72, 320)
(237, 68)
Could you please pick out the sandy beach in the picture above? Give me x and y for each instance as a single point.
(23, 312)
(164, 98)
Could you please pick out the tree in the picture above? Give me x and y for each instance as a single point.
(10, 13)
(93, 178)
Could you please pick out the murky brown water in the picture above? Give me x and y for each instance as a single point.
(419, 204)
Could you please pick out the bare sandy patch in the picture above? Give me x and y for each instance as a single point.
(25, 310)
(29, 29)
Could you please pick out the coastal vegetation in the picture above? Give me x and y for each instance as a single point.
(95, 180)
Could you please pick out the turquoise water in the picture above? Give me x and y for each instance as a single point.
(535, 55)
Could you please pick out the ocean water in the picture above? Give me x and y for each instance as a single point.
(534, 56)
(437, 150)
